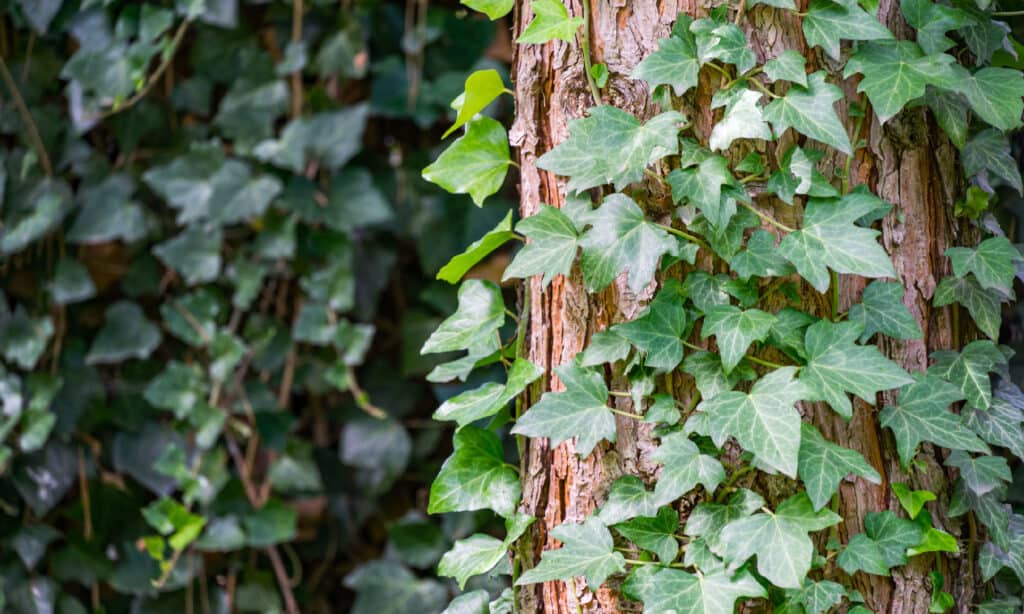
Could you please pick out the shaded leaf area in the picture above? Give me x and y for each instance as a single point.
(213, 292)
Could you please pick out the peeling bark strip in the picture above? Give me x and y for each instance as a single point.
(908, 162)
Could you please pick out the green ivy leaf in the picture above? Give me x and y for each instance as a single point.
(896, 72)
(587, 550)
(702, 186)
(968, 370)
(489, 399)
(765, 421)
(934, 540)
(459, 265)
(722, 41)
(779, 540)
(735, 330)
(672, 590)
(23, 339)
(684, 468)
(983, 305)
(779, 4)
(826, 22)
(551, 21)
(495, 9)
(706, 370)
(194, 254)
(605, 347)
(480, 314)
(627, 498)
(760, 258)
(981, 474)
(823, 464)
(815, 597)
(707, 520)
(932, 21)
(993, 263)
(881, 310)
(178, 389)
(994, 95)
(126, 333)
(830, 239)
(922, 415)
(658, 331)
(551, 248)
(480, 553)
(675, 64)
(883, 544)
(71, 283)
(482, 88)
(475, 163)
(580, 411)
(654, 533)
(1002, 424)
(809, 110)
(836, 365)
(475, 476)
(620, 239)
(789, 65)
(950, 111)
(743, 118)
(612, 146)
(989, 151)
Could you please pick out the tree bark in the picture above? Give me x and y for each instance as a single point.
(907, 162)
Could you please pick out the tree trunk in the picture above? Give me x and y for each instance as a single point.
(908, 162)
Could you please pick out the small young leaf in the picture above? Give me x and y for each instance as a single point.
(475, 476)
(789, 66)
(551, 21)
(551, 248)
(459, 265)
(587, 550)
(828, 21)
(654, 533)
(482, 88)
(475, 163)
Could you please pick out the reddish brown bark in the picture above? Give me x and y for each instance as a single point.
(907, 162)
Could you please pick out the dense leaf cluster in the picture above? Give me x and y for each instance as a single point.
(754, 369)
(216, 270)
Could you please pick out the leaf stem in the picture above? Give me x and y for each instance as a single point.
(26, 116)
(764, 90)
(683, 234)
(1007, 14)
(750, 357)
(625, 414)
(594, 90)
(835, 294)
(766, 217)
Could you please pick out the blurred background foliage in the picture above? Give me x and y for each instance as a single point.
(217, 264)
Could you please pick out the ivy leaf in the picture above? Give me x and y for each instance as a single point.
(722, 41)
(587, 550)
(475, 163)
(922, 415)
(480, 314)
(684, 468)
(881, 310)
(551, 21)
(836, 365)
(827, 22)
(580, 411)
(981, 474)
(1002, 424)
(896, 72)
(765, 421)
(654, 533)
(675, 63)
(798, 174)
(194, 254)
(815, 597)
(659, 330)
(612, 146)
(950, 111)
(789, 65)
(969, 370)
(482, 88)
(551, 248)
(742, 119)
(809, 110)
(883, 544)
(990, 151)
(779, 4)
(706, 369)
(779, 540)
(71, 283)
(489, 399)
(760, 258)
(605, 347)
(619, 239)
(823, 464)
(480, 553)
(126, 333)
(477, 251)
(475, 476)
(995, 95)
(627, 498)
(702, 187)
(932, 21)
(673, 590)
(983, 305)
(831, 239)
(495, 9)
(993, 263)
(735, 330)
(707, 520)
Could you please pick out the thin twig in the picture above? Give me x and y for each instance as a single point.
(766, 217)
(362, 399)
(26, 116)
(594, 90)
